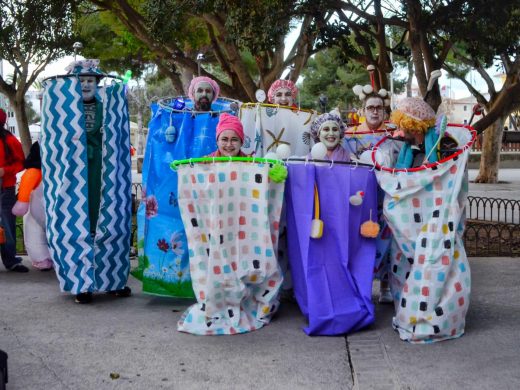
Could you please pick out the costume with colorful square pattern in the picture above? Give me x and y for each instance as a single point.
(231, 212)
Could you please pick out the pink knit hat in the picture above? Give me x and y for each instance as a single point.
(282, 84)
(3, 117)
(200, 79)
(230, 122)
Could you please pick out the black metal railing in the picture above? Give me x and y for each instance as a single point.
(484, 239)
(493, 210)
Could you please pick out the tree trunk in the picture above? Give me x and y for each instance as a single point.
(22, 123)
(409, 80)
(490, 157)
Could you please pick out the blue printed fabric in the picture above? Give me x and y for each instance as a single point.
(162, 244)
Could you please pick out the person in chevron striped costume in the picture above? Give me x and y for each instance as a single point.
(93, 112)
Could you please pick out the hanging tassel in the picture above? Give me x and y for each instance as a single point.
(369, 228)
(317, 223)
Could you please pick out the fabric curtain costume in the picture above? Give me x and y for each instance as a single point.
(332, 275)
(174, 133)
(267, 127)
(430, 276)
(231, 212)
(90, 249)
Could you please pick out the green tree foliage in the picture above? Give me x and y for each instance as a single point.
(245, 43)
(32, 115)
(327, 73)
(32, 34)
(104, 37)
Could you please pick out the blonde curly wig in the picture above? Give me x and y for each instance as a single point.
(409, 124)
(413, 115)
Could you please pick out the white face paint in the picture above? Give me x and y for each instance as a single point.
(329, 134)
(283, 97)
(203, 96)
(229, 143)
(88, 87)
(374, 111)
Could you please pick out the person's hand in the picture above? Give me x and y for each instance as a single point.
(20, 208)
(2, 172)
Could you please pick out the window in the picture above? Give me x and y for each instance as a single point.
(465, 108)
(11, 129)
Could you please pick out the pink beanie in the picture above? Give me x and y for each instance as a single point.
(282, 84)
(3, 117)
(230, 122)
(200, 79)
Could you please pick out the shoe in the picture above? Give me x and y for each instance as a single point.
(85, 297)
(19, 268)
(123, 293)
(44, 265)
(287, 296)
(385, 296)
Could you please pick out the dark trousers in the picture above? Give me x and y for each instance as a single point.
(8, 250)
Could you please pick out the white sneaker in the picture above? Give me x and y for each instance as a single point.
(385, 296)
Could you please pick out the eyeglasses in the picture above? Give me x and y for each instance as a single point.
(374, 108)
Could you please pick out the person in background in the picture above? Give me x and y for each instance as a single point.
(11, 162)
(203, 91)
(360, 140)
(31, 206)
(373, 109)
(230, 137)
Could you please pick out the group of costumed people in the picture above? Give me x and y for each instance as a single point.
(234, 212)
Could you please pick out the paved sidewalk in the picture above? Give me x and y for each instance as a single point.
(56, 344)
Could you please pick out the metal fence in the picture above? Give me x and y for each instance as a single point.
(483, 239)
(493, 209)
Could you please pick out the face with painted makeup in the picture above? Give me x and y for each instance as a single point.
(203, 96)
(229, 143)
(88, 87)
(374, 111)
(329, 134)
(283, 97)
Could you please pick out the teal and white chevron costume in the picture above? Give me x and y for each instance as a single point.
(85, 263)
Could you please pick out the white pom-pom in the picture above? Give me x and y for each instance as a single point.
(371, 67)
(387, 102)
(271, 156)
(357, 89)
(283, 151)
(383, 92)
(367, 89)
(319, 151)
(362, 96)
(357, 198)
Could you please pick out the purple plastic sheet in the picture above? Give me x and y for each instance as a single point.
(332, 275)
